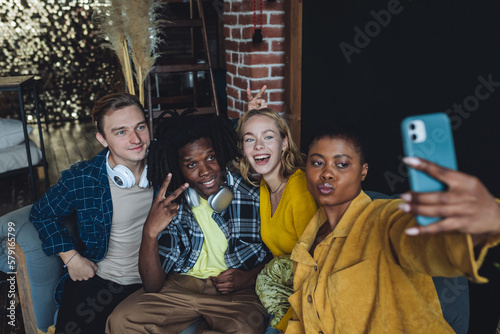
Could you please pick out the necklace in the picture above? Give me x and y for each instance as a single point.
(273, 192)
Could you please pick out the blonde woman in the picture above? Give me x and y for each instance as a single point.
(286, 206)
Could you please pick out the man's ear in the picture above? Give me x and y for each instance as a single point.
(364, 171)
(101, 139)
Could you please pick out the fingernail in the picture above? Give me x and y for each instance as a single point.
(404, 207)
(412, 231)
(406, 197)
(412, 161)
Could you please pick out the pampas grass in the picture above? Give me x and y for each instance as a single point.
(112, 33)
(142, 26)
(131, 23)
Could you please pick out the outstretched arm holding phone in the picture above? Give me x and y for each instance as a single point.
(466, 206)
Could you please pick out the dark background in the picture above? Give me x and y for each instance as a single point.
(426, 59)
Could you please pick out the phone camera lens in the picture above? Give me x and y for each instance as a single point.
(412, 126)
(413, 137)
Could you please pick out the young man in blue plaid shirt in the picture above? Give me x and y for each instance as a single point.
(111, 197)
(199, 257)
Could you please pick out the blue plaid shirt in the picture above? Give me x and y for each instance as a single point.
(84, 189)
(180, 243)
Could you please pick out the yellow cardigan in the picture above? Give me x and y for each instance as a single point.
(295, 209)
(368, 276)
(281, 231)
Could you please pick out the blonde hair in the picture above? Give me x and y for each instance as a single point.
(291, 158)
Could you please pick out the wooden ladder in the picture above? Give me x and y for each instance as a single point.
(187, 64)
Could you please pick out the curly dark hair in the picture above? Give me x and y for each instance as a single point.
(175, 132)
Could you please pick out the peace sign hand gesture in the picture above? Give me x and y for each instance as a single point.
(163, 209)
(256, 102)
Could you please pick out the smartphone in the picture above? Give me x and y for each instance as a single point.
(429, 137)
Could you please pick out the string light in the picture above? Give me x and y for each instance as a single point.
(33, 42)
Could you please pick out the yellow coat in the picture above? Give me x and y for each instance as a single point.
(368, 276)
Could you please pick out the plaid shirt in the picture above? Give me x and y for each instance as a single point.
(84, 189)
(180, 243)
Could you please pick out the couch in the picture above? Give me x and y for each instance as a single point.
(38, 275)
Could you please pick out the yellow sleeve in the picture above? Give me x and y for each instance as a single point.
(443, 254)
(281, 326)
(302, 204)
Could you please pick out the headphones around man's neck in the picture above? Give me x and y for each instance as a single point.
(123, 177)
(218, 201)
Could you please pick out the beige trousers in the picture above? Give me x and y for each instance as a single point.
(184, 300)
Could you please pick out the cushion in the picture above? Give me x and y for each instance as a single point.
(11, 132)
(15, 157)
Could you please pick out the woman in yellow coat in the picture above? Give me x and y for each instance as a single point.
(363, 266)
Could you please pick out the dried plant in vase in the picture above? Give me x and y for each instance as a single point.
(129, 28)
(141, 34)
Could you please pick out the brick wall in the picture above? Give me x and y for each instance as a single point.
(249, 64)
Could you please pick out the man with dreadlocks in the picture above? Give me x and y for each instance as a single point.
(199, 257)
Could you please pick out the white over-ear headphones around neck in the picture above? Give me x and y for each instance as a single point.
(123, 177)
(218, 201)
